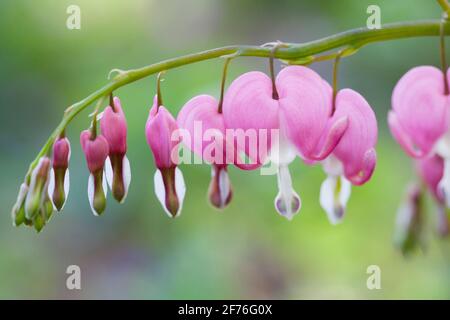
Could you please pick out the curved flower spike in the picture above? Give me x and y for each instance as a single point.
(96, 151)
(420, 110)
(59, 177)
(114, 128)
(354, 158)
(161, 133)
(38, 189)
(207, 138)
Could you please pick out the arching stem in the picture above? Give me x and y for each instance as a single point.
(158, 90)
(337, 60)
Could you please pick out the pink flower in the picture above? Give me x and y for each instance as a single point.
(353, 159)
(59, 177)
(162, 137)
(114, 128)
(420, 117)
(298, 122)
(96, 151)
(207, 138)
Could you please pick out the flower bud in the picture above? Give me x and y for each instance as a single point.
(59, 177)
(168, 179)
(38, 188)
(220, 192)
(96, 151)
(409, 225)
(18, 210)
(114, 128)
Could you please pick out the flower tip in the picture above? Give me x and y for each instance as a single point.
(288, 208)
(220, 192)
(170, 190)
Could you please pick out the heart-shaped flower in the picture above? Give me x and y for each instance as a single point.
(206, 137)
(297, 120)
(354, 158)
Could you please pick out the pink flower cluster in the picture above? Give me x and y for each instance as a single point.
(420, 122)
(299, 108)
(298, 113)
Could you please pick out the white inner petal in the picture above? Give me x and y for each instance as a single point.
(109, 172)
(180, 188)
(91, 193)
(287, 202)
(334, 195)
(126, 172)
(224, 186)
(51, 185)
(282, 151)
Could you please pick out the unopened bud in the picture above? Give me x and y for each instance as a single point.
(18, 210)
(38, 188)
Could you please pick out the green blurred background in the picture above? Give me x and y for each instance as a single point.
(246, 251)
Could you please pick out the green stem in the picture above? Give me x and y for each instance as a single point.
(352, 38)
(445, 6)
(222, 85)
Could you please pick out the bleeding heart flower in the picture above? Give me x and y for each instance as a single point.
(18, 210)
(353, 159)
(114, 128)
(162, 137)
(421, 117)
(300, 113)
(207, 138)
(59, 177)
(96, 150)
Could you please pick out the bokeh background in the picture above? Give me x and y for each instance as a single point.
(246, 251)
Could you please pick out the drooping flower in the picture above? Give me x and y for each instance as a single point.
(207, 138)
(299, 112)
(353, 159)
(114, 128)
(59, 177)
(160, 132)
(96, 150)
(420, 119)
(431, 170)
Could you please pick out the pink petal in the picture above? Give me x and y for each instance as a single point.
(421, 109)
(305, 108)
(250, 109)
(161, 136)
(200, 117)
(402, 137)
(114, 127)
(96, 151)
(356, 147)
